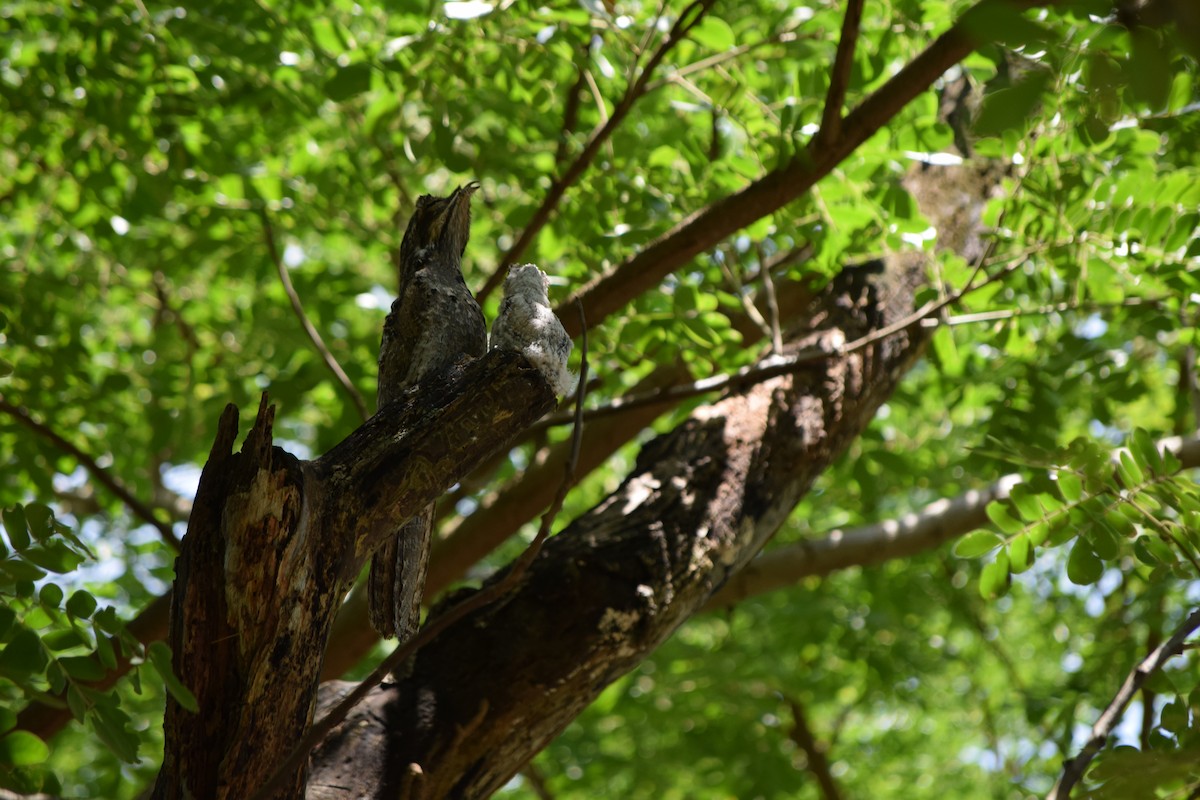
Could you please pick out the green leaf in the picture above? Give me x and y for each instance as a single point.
(1130, 473)
(22, 749)
(1154, 550)
(82, 668)
(1149, 69)
(1070, 486)
(8, 719)
(1105, 542)
(105, 651)
(50, 595)
(977, 543)
(1026, 502)
(113, 727)
(348, 82)
(107, 619)
(54, 556)
(16, 527)
(1020, 553)
(1038, 533)
(950, 361)
(81, 604)
(1002, 23)
(1083, 567)
(77, 703)
(994, 580)
(713, 33)
(23, 655)
(1010, 109)
(56, 676)
(160, 658)
(1174, 717)
(22, 571)
(41, 521)
(1146, 453)
(997, 512)
(63, 639)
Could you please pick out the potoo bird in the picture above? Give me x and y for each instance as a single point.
(434, 323)
(527, 324)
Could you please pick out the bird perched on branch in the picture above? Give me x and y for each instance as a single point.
(527, 324)
(434, 323)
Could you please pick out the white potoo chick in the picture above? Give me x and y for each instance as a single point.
(527, 324)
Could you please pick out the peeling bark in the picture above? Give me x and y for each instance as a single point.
(495, 688)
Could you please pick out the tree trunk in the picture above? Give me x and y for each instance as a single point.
(494, 688)
(275, 542)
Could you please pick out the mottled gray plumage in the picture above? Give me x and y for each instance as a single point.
(434, 323)
(527, 324)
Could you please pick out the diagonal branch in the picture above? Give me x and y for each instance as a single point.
(1074, 768)
(839, 77)
(937, 523)
(136, 506)
(313, 334)
(690, 17)
(707, 227)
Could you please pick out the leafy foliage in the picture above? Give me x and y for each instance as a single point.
(149, 153)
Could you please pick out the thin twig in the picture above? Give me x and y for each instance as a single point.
(782, 37)
(1054, 308)
(313, 334)
(772, 304)
(537, 781)
(1074, 768)
(839, 76)
(687, 20)
(137, 507)
(818, 764)
(776, 367)
(434, 628)
(739, 289)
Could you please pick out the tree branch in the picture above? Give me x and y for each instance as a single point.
(412, 450)
(101, 476)
(938, 522)
(935, 524)
(839, 77)
(687, 20)
(298, 308)
(1074, 768)
(705, 228)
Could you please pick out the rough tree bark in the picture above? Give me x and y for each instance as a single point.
(274, 543)
(493, 689)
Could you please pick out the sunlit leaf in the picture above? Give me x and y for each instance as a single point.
(977, 544)
(22, 748)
